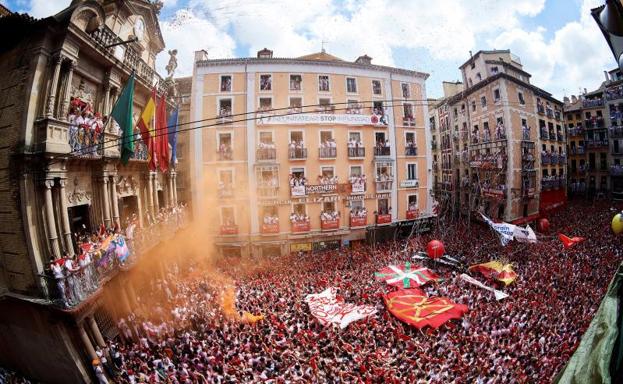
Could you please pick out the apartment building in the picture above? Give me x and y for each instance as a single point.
(506, 146)
(307, 153)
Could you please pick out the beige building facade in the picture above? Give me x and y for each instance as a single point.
(504, 153)
(306, 153)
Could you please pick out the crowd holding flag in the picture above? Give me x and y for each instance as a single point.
(329, 308)
(499, 295)
(406, 275)
(496, 270)
(413, 307)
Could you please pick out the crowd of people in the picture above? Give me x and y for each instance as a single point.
(297, 180)
(297, 217)
(326, 179)
(329, 215)
(359, 212)
(186, 336)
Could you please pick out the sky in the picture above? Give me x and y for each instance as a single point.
(557, 40)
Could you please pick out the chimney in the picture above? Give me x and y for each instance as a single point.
(585, 91)
(201, 55)
(265, 54)
(365, 59)
(566, 100)
(606, 76)
(574, 99)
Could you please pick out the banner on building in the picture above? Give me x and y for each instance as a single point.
(320, 118)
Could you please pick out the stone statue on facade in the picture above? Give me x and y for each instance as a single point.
(172, 65)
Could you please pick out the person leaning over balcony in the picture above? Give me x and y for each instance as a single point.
(58, 272)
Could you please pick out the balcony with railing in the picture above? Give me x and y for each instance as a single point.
(614, 93)
(225, 153)
(358, 217)
(299, 223)
(67, 289)
(299, 153)
(225, 190)
(576, 131)
(592, 103)
(616, 170)
(225, 115)
(357, 183)
(577, 150)
(86, 142)
(410, 150)
(559, 137)
(544, 134)
(382, 151)
(266, 153)
(597, 143)
(270, 225)
(412, 214)
(616, 132)
(107, 42)
(356, 152)
(552, 182)
(228, 229)
(268, 187)
(384, 185)
(383, 218)
(327, 152)
(540, 108)
(433, 145)
(329, 220)
(595, 122)
(408, 121)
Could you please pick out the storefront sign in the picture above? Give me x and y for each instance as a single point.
(320, 118)
(300, 247)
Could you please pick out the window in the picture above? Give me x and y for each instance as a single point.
(410, 138)
(326, 136)
(325, 105)
(379, 138)
(351, 85)
(356, 205)
(473, 65)
(296, 137)
(299, 209)
(496, 95)
(376, 87)
(383, 207)
(406, 92)
(328, 206)
(412, 202)
(327, 172)
(224, 142)
(266, 82)
(224, 106)
(226, 83)
(354, 137)
(266, 137)
(296, 82)
(522, 101)
(411, 171)
(483, 101)
(494, 70)
(323, 83)
(227, 216)
(408, 110)
(473, 106)
(355, 170)
(266, 104)
(296, 104)
(478, 76)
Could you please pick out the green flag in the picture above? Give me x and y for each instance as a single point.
(122, 113)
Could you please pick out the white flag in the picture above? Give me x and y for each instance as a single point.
(505, 230)
(499, 295)
(524, 235)
(327, 308)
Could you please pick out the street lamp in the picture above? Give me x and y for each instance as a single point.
(609, 18)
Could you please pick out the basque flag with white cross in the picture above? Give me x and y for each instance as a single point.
(406, 275)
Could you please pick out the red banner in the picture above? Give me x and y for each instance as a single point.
(383, 219)
(412, 214)
(414, 308)
(329, 224)
(300, 226)
(229, 229)
(358, 221)
(270, 228)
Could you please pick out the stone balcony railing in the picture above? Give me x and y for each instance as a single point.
(79, 286)
(327, 153)
(356, 152)
(266, 154)
(384, 186)
(297, 153)
(382, 151)
(410, 151)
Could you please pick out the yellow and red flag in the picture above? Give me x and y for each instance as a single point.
(413, 307)
(496, 270)
(162, 135)
(146, 123)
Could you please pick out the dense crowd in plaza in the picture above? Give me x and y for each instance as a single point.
(183, 333)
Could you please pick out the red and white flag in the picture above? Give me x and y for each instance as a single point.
(330, 309)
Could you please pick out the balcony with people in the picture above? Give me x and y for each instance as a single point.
(616, 170)
(594, 122)
(329, 220)
(383, 215)
(357, 183)
(267, 182)
(73, 279)
(270, 223)
(225, 189)
(356, 150)
(576, 131)
(382, 149)
(266, 151)
(354, 108)
(225, 114)
(225, 152)
(86, 130)
(328, 149)
(544, 133)
(525, 132)
(412, 211)
(540, 107)
(411, 149)
(408, 118)
(614, 93)
(358, 217)
(298, 183)
(228, 227)
(379, 113)
(552, 182)
(597, 143)
(500, 131)
(297, 150)
(489, 189)
(299, 222)
(384, 182)
(593, 102)
(489, 160)
(616, 132)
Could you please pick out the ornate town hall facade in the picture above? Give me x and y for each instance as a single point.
(61, 175)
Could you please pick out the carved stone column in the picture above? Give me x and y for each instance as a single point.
(67, 92)
(171, 197)
(115, 203)
(96, 331)
(52, 96)
(106, 201)
(174, 188)
(87, 342)
(150, 194)
(156, 201)
(106, 106)
(50, 219)
(65, 218)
